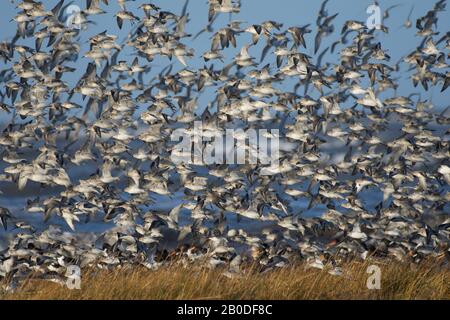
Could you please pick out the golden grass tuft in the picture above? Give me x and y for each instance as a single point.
(427, 280)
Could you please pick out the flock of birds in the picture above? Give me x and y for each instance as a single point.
(374, 162)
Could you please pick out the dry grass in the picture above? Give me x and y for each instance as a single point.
(399, 281)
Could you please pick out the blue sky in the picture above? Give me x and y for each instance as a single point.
(290, 12)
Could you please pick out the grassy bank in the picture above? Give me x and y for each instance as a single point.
(428, 280)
